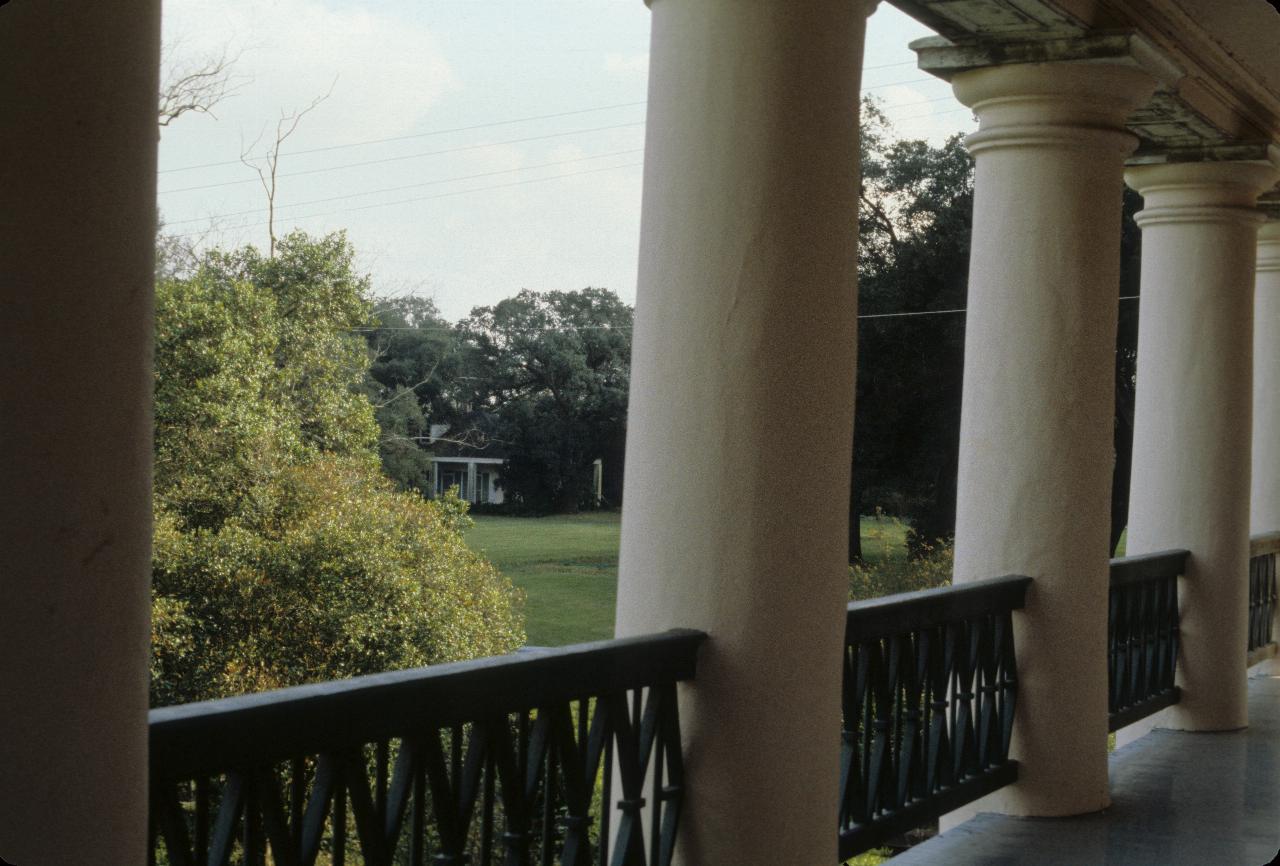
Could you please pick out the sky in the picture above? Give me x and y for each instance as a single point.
(470, 148)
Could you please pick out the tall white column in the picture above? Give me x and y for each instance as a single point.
(1264, 511)
(78, 86)
(745, 338)
(1034, 484)
(1190, 486)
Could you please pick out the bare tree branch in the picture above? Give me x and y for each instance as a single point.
(480, 443)
(266, 171)
(430, 375)
(199, 87)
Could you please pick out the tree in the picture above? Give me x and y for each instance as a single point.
(914, 229)
(1126, 365)
(267, 165)
(281, 553)
(196, 86)
(554, 369)
(413, 381)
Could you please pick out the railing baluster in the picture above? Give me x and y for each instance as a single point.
(498, 738)
(1142, 629)
(929, 693)
(1262, 590)
(339, 819)
(603, 706)
(202, 819)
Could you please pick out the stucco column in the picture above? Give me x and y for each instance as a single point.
(78, 87)
(745, 349)
(1190, 486)
(1264, 511)
(1034, 483)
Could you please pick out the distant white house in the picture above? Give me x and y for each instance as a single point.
(475, 477)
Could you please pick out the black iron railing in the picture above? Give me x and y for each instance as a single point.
(1262, 589)
(510, 759)
(1142, 635)
(930, 682)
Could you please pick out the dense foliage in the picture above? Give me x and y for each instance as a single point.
(895, 561)
(914, 227)
(555, 368)
(282, 555)
(539, 379)
(413, 381)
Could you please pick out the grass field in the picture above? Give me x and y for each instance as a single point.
(568, 567)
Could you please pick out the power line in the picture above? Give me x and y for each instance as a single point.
(431, 197)
(416, 135)
(454, 129)
(406, 186)
(888, 65)
(898, 315)
(411, 156)
(900, 83)
(440, 152)
(930, 114)
(461, 149)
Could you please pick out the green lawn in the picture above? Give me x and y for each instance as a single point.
(568, 567)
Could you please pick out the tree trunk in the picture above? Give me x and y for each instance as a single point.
(855, 521)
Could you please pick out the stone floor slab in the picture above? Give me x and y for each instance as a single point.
(1178, 799)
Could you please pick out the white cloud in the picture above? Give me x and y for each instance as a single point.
(386, 72)
(627, 65)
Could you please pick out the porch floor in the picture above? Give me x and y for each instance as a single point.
(1199, 799)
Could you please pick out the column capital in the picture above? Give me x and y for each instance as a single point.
(1269, 246)
(1060, 104)
(1202, 192)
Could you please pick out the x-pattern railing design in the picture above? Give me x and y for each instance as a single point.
(514, 760)
(1262, 589)
(1142, 635)
(930, 685)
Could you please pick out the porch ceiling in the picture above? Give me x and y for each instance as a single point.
(1226, 83)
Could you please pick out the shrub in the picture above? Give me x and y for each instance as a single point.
(340, 576)
(931, 566)
(282, 555)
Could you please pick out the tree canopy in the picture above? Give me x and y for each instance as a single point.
(282, 555)
(914, 227)
(555, 369)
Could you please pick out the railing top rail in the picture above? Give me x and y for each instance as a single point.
(203, 737)
(1148, 566)
(893, 614)
(1264, 543)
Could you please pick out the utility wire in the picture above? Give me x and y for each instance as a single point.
(475, 126)
(401, 187)
(444, 151)
(888, 65)
(899, 315)
(412, 156)
(427, 197)
(453, 129)
(418, 185)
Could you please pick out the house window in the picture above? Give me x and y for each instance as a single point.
(482, 487)
(452, 478)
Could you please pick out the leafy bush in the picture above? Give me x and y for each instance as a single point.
(282, 555)
(340, 576)
(929, 565)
